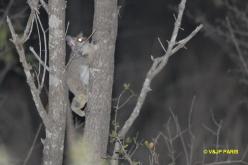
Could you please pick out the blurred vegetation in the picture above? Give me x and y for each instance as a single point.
(4, 156)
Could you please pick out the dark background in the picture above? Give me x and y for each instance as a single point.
(205, 70)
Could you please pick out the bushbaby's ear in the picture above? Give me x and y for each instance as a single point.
(80, 35)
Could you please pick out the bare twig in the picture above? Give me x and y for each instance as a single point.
(169, 140)
(45, 50)
(190, 117)
(192, 139)
(209, 129)
(19, 14)
(117, 107)
(237, 47)
(6, 11)
(215, 133)
(185, 150)
(33, 145)
(29, 27)
(44, 5)
(38, 58)
(40, 47)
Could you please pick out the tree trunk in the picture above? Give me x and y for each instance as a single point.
(96, 130)
(58, 95)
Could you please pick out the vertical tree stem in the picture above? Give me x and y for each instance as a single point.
(101, 79)
(55, 133)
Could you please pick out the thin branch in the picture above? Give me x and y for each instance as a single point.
(180, 137)
(67, 27)
(6, 11)
(209, 129)
(45, 50)
(39, 59)
(215, 133)
(19, 14)
(44, 5)
(29, 27)
(161, 44)
(33, 145)
(190, 117)
(237, 47)
(127, 157)
(184, 41)
(18, 42)
(40, 47)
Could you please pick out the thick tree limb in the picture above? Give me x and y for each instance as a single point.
(96, 131)
(58, 93)
(158, 64)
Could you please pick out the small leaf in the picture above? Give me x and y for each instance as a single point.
(125, 146)
(113, 134)
(146, 142)
(128, 140)
(126, 86)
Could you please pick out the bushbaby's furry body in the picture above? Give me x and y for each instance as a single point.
(77, 76)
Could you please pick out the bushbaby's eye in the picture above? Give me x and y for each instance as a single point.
(80, 39)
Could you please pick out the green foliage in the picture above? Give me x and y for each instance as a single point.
(149, 145)
(113, 136)
(7, 55)
(128, 140)
(126, 86)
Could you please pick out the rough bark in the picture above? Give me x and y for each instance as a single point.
(55, 132)
(96, 130)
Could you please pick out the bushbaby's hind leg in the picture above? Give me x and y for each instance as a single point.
(78, 103)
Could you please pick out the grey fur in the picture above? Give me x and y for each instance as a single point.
(77, 76)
